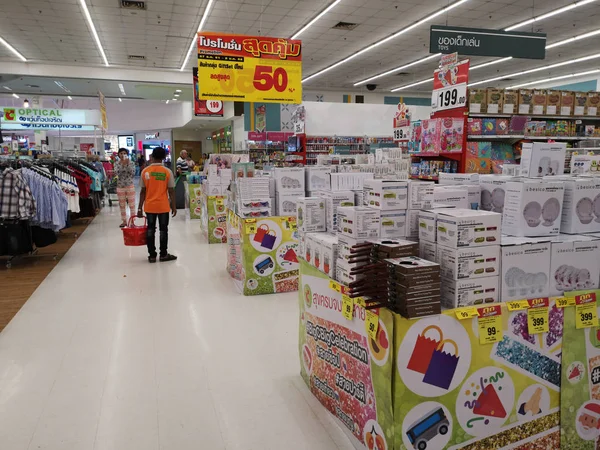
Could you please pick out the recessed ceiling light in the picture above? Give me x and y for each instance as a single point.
(88, 17)
(122, 89)
(317, 17)
(193, 43)
(62, 86)
(177, 90)
(174, 99)
(69, 97)
(26, 104)
(13, 50)
(167, 102)
(15, 95)
(175, 95)
(120, 99)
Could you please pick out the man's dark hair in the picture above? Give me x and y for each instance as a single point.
(159, 153)
(121, 150)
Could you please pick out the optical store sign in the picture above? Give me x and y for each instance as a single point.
(262, 69)
(483, 42)
(44, 116)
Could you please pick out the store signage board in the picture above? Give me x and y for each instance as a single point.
(45, 126)
(205, 108)
(12, 115)
(450, 87)
(484, 42)
(233, 67)
(256, 136)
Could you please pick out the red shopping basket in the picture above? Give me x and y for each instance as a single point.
(134, 236)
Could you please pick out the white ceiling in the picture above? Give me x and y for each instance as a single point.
(55, 31)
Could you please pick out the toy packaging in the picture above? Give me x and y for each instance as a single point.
(540, 98)
(477, 101)
(416, 130)
(474, 127)
(553, 102)
(430, 139)
(580, 102)
(478, 157)
(518, 123)
(502, 126)
(525, 101)
(452, 133)
(494, 100)
(489, 127)
(592, 103)
(567, 103)
(510, 101)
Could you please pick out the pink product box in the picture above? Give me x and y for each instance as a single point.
(430, 136)
(474, 127)
(452, 133)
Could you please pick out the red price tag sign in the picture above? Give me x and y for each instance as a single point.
(249, 68)
(450, 87)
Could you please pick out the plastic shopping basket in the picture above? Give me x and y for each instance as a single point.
(133, 235)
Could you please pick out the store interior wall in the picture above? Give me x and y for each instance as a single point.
(379, 98)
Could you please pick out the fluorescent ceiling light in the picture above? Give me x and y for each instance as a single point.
(309, 24)
(177, 90)
(573, 39)
(7, 88)
(167, 102)
(550, 14)
(120, 99)
(175, 94)
(389, 72)
(87, 15)
(387, 39)
(122, 89)
(69, 97)
(412, 85)
(491, 63)
(204, 17)
(562, 77)
(62, 86)
(13, 50)
(15, 95)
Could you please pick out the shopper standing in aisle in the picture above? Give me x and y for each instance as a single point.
(182, 163)
(125, 170)
(156, 199)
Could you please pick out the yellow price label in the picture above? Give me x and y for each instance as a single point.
(517, 305)
(347, 307)
(335, 286)
(563, 302)
(537, 320)
(250, 226)
(490, 324)
(372, 324)
(586, 313)
(360, 302)
(220, 201)
(466, 313)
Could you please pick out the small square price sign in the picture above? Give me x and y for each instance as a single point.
(335, 286)
(537, 315)
(466, 313)
(347, 307)
(372, 324)
(586, 313)
(250, 226)
(490, 324)
(563, 302)
(292, 223)
(517, 305)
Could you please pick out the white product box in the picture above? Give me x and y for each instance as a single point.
(469, 262)
(272, 187)
(581, 206)
(289, 180)
(474, 195)
(393, 224)
(342, 274)
(359, 222)
(345, 244)
(386, 194)
(585, 165)
(286, 204)
(525, 270)
(447, 179)
(310, 213)
(333, 200)
(213, 189)
(574, 265)
(420, 194)
(457, 196)
(467, 228)
(212, 171)
(428, 251)
(349, 180)
(412, 223)
(428, 224)
(470, 291)
(539, 159)
(359, 198)
(325, 252)
(493, 191)
(318, 178)
(533, 208)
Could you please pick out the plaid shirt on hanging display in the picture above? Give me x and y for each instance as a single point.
(16, 200)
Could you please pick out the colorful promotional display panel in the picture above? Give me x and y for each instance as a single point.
(347, 370)
(195, 200)
(205, 108)
(580, 392)
(450, 86)
(452, 390)
(234, 67)
(213, 218)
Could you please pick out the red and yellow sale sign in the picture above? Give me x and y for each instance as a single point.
(234, 67)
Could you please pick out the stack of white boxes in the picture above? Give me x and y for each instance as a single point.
(420, 196)
(390, 198)
(252, 197)
(318, 178)
(574, 264)
(290, 184)
(468, 181)
(581, 206)
(217, 180)
(493, 192)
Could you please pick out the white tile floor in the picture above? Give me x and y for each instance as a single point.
(112, 353)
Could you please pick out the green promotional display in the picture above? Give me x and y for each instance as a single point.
(263, 254)
(213, 217)
(194, 200)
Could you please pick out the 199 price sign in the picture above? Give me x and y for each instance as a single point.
(449, 97)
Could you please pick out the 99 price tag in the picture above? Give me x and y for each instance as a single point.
(586, 314)
(251, 226)
(347, 307)
(372, 324)
(335, 286)
(537, 316)
(490, 324)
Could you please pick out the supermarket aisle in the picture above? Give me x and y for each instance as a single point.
(112, 353)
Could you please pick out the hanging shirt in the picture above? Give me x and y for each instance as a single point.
(16, 199)
(157, 179)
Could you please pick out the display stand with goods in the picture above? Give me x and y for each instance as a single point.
(213, 217)
(193, 200)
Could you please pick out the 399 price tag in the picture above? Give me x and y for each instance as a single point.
(490, 324)
(537, 315)
(372, 324)
(586, 313)
(347, 307)
(563, 302)
(517, 305)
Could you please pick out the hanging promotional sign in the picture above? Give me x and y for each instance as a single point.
(234, 67)
(12, 115)
(401, 129)
(104, 119)
(450, 87)
(205, 108)
(483, 42)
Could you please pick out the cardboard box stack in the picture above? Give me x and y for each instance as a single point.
(289, 184)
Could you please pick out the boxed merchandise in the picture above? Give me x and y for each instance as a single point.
(412, 223)
(349, 181)
(488, 127)
(574, 265)
(452, 132)
(580, 103)
(477, 101)
(469, 262)
(532, 208)
(251, 188)
(393, 248)
(386, 194)
(393, 224)
(474, 127)
(420, 194)
(585, 165)
(456, 196)
(286, 204)
(525, 270)
(359, 198)
(474, 192)
(467, 228)
(353, 249)
(333, 200)
(458, 178)
(567, 103)
(493, 191)
(317, 178)
(325, 252)
(494, 100)
(540, 98)
(553, 102)
(581, 206)
(427, 224)
(510, 101)
(428, 250)
(310, 213)
(212, 188)
(430, 136)
(592, 104)
(358, 221)
(290, 180)
(502, 126)
(525, 101)
(470, 291)
(539, 159)
(343, 274)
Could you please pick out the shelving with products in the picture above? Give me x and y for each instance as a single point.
(344, 145)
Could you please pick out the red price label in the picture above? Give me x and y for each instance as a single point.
(214, 106)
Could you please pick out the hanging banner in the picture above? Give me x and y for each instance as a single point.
(450, 87)
(11, 115)
(299, 120)
(104, 119)
(401, 129)
(260, 118)
(249, 68)
(205, 108)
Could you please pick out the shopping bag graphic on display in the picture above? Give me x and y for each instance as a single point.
(260, 233)
(423, 351)
(442, 366)
(269, 240)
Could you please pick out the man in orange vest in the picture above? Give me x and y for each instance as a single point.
(156, 199)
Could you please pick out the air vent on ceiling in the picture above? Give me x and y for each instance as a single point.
(344, 26)
(136, 57)
(34, 86)
(130, 4)
(401, 74)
